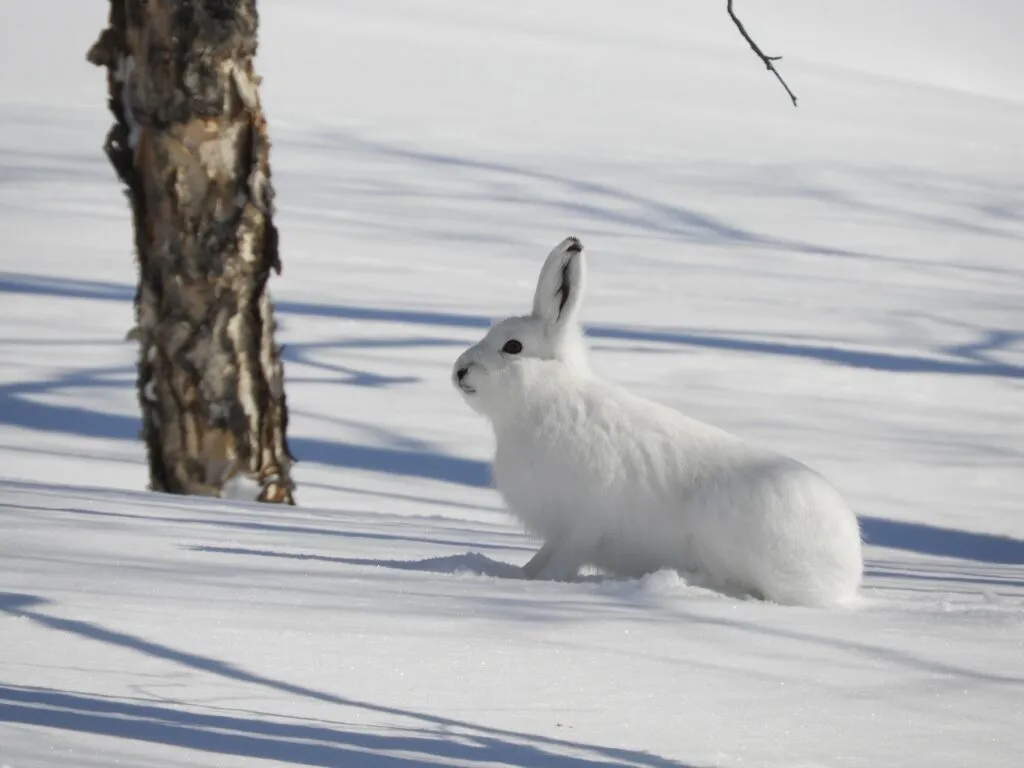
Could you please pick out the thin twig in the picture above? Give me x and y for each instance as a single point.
(761, 55)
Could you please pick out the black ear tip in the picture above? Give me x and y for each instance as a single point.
(573, 245)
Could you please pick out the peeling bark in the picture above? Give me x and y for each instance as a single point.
(190, 143)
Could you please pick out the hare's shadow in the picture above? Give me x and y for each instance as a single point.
(481, 565)
(478, 564)
(471, 562)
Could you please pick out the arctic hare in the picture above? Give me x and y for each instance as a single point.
(607, 478)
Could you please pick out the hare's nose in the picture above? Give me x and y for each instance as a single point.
(461, 373)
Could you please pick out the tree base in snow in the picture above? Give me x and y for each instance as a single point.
(190, 143)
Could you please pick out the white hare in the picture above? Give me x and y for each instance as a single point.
(610, 479)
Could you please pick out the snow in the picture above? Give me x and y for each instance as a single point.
(843, 281)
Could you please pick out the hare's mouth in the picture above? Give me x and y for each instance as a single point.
(466, 388)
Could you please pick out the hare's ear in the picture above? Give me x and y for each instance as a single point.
(560, 287)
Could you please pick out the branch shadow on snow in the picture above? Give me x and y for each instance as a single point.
(278, 528)
(963, 578)
(890, 194)
(293, 743)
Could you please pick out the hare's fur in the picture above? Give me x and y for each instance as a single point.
(610, 479)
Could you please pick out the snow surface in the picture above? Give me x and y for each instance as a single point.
(844, 281)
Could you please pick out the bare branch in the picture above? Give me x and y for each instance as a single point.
(756, 49)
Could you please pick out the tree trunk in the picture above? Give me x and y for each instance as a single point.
(190, 143)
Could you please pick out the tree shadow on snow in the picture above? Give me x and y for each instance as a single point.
(942, 542)
(16, 410)
(295, 743)
(970, 359)
(19, 407)
(434, 738)
(19, 411)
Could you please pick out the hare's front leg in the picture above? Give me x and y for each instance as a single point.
(560, 559)
(539, 561)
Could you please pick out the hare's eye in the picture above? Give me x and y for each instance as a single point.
(512, 347)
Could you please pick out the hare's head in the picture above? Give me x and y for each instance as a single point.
(485, 372)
